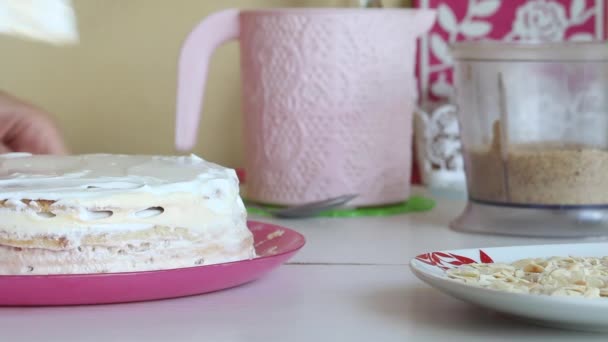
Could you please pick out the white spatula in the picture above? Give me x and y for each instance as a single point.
(51, 21)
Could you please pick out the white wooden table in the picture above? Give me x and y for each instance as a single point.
(351, 282)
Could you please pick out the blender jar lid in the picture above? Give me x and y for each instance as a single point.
(507, 51)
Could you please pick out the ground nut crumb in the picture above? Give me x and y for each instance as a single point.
(534, 268)
(550, 173)
(554, 276)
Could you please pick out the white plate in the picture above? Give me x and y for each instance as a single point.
(560, 312)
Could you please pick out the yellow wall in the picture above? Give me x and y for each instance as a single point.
(115, 91)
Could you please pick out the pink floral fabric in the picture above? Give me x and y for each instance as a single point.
(507, 20)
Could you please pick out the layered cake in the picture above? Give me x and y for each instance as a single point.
(103, 213)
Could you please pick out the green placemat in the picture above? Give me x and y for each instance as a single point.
(413, 204)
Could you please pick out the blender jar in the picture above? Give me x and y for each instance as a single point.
(534, 129)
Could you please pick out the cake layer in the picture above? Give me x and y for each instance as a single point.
(55, 208)
(145, 255)
(72, 195)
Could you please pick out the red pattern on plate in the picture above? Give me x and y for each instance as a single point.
(484, 258)
(446, 261)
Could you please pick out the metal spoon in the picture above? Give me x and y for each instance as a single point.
(370, 3)
(310, 209)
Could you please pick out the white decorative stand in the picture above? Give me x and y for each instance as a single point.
(438, 148)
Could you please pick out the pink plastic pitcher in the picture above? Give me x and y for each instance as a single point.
(328, 97)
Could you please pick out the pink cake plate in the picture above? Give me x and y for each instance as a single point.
(274, 245)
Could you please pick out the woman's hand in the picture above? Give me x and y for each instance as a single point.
(25, 128)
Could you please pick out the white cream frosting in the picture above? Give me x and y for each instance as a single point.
(99, 193)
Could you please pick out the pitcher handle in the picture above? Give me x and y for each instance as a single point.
(196, 51)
